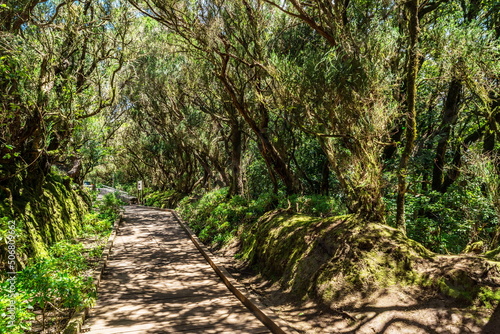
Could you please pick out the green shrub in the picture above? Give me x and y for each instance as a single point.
(316, 205)
(205, 215)
(67, 256)
(109, 207)
(196, 211)
(94, 225)
(22, 310)
(57, 281)
(55, 278)
(216, 218)
(163, 199)
(448, 222)
(52, 285)
(92, 194)
(265, 202)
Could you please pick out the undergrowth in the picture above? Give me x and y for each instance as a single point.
(216, 218)
(163, 199)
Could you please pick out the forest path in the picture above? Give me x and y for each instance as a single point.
(156, 281)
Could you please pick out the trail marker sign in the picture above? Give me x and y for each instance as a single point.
(139, 185)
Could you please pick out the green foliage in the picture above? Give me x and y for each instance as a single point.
(162, 199)
(258, 176)
(54, 275)
(91, 136)
(94, 224)
(109, 207)
(448, 222)
(56, 281)
(217, 218)
(97, 252)
(53, 282)
(47, 95)
(315, 205)
(69, 256)
(92, 194)
(100, 221)
(332, 107)
(208, 216)
(266, 201)
(23, 310)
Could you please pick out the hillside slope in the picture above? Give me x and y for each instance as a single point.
(368, 277)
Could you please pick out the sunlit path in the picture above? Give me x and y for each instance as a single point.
(156, 281)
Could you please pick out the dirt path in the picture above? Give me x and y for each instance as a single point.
(156, 281)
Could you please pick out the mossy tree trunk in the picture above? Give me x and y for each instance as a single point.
(449, 119)
(411, 115)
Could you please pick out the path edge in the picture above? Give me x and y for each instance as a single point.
(269, 318)
(75, 324)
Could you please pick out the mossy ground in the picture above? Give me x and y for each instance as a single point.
(332, 256)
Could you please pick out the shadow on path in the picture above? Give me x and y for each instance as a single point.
(156, 281)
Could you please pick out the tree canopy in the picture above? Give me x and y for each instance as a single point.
(392, 107)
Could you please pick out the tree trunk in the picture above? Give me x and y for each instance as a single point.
(411, 116)
(235, 187)
(492, 135)
(275, 162)
(361, 182)
(325, 179)
(449, 119)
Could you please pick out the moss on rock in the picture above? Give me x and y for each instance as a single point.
(44, 214)
(493, 254)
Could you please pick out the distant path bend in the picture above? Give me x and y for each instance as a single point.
(156, 281)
